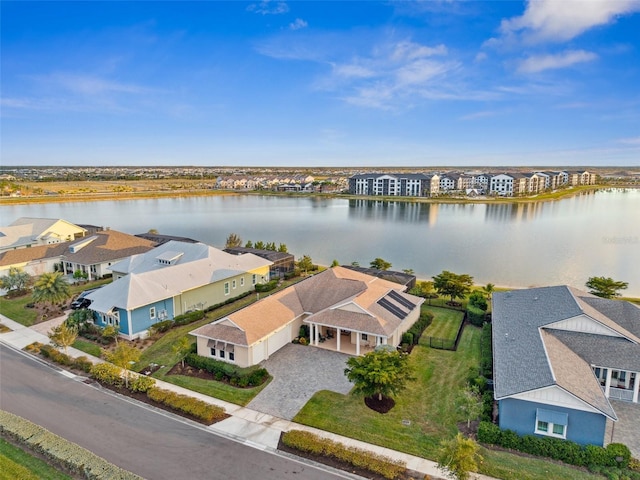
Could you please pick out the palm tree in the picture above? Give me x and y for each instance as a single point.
(51, 288)
(488, 290)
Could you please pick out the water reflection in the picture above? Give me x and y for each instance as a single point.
(393, 211)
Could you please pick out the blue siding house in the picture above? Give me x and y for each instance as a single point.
(170, 280)
(559, 356)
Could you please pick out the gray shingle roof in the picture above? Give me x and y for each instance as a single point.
(529, 354)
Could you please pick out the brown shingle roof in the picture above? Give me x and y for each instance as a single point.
(108, 245)
(22, 255)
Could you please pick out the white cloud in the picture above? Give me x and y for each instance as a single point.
(298, 24)
(410, 51)
(562, 20)
(539, 63)
(353, 71)
(267, 7)
(93, 85)
(421, 71)
(630, 141)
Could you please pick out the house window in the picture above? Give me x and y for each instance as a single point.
(242, 282)
(233, 284)
(226, 288)
(152, 313)
(254, 279)
(551, 423)
(364, 336)
(232, 356)
(213, 352)
(221, 353)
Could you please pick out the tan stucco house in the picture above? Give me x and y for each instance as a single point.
(346, 311)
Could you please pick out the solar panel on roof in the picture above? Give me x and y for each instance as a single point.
(401, 300)
(387, 305)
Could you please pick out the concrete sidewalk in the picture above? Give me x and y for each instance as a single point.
(253, 428)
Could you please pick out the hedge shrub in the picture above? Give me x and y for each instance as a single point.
(189, 317)
(556, 448)
(486, 356)
(107, 373)
(60, 451)
(141, 383)
(161, 327)
(192, 406)
(475, 315)
(266, 287)
(241, 377)
(308, 442)
(420, 326)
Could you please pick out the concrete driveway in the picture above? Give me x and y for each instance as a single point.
(626, 428)
(298, 372)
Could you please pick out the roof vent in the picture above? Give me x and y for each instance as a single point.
(169, 258)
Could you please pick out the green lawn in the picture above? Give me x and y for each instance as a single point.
(429, 405)
(16, 308)
(445, 324)
(15, 463)
(87, 347)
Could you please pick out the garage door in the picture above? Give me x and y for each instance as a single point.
(279, 339)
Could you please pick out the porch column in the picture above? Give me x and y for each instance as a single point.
(636, 388)
(357, 343)
(385, 340)
(316, 335)
(338, 339)
(607, 384)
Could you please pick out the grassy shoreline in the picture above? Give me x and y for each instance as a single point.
(81, 196)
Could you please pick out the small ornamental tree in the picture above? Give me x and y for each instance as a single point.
(305, 263)
(452, 284)
(470, 404)
(16, 281)
(488, 290)
(605, 287)
(182, 348)
(380, 264)
(123, 356)
(233, 240)
(63, 336)
(458, 456)
(378, 373)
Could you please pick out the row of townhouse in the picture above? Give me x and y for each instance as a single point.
(240, 182)
(503, 184)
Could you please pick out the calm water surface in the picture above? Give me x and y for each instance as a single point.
(528, 244)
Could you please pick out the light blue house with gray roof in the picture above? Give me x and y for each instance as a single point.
(559, 355)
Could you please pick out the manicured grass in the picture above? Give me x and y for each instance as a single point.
(87, 347)
(238, 396)
(445, 324)
(428, 403)
(16, 310)
(508, 465)
(15, 463)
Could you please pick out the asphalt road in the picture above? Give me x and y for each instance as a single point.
(152, 444)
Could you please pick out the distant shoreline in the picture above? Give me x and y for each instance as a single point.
(151, 194)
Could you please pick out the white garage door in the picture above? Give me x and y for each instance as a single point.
(279, 339)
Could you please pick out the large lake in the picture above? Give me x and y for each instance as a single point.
(515, 244)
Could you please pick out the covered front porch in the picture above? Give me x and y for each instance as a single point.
(344, 340)
(619, 384)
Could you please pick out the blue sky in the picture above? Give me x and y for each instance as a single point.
(301, 83)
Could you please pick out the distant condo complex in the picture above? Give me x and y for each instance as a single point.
(508, 184)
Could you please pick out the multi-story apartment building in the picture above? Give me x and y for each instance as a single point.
(400, 185)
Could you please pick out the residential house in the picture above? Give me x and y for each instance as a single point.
(35, 260)
(170, 280)
(559, 356)
(94, 255)
(28, 232)
(406, 279)
(345, 311)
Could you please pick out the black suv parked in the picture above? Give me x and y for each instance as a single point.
(81, 301)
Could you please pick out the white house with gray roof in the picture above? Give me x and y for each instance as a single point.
(559, 355)
(170, 280)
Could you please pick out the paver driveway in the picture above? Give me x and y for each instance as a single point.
(298, 372)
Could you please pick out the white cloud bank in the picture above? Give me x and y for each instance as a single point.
(562, 20)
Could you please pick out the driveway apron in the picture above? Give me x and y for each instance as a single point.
(298, 372)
